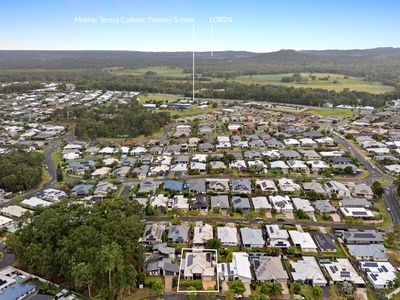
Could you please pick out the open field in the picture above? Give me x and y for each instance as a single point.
(330, 112)
(143, 98)
(161, 71)
(336, 82)
(329, 81)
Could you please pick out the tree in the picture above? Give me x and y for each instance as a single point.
(82, 276)
(60, 176)
(377, 189)
(296, 287)
(213, 244)
(237, 286)
(317, 292)
(258, 297)
(156, 286)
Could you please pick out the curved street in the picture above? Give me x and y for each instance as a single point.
(390, 195)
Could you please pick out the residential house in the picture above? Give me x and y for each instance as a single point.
(252, 238)
(202, 233)
(380, 274)
(375, 252)
(303, 240)
(198, 264)
(220, 202)
(307, 271)
(178, 233)
(238, 269)
(228, 235)
(270, 269)
(153, 234)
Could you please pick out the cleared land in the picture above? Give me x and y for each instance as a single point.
(161, 71)
(331, 112)
(329, 81)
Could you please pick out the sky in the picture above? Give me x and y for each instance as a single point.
(202, 25)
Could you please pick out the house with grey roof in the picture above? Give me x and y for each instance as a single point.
(314, 186)
(252, 238)
(375, 252)
(355, 202)
(242, 186)
(324, 207)
(240, 203)
(153, 234)
(290, 154)
(199, 202)
(307, 270)
(197, 186)
(220, 202)
(178, 233)
(354, 236)
(324, 241)
(147, 186)
(270, 269)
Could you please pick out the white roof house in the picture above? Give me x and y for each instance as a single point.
(279, 164)
(380, 274)
(291, 142)
(34, 202)
(252, 237)
(107, 150)
(308, 270)
(266, 185)
(281, 203)
(303, 204)
(4, 221)
(356, 212)
(14, 211)
(228, 235)
(261, 202)
(202, 233)
(239, 268)
(288, 185)
(277, 237)
(303, 240)
(342, 270)
(103, 171)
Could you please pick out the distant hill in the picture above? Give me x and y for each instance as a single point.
(379, 64)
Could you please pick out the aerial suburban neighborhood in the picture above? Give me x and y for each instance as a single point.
(200, 150)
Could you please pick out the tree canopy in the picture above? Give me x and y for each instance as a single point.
(91, 247)
(21, 170)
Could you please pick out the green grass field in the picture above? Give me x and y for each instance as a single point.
(161, 71)
(330, 112)
(350, 82)
(142, 98)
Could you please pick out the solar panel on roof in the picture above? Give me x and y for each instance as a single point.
(332, 269)
(190, 260)
(370, 264)
(359, 213)
(384, 268)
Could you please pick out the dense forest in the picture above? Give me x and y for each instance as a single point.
(21, 170)
(123, 120)
(93, 248)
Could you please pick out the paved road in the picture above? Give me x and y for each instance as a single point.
(266, 221)
(8, 258)
(390, 195)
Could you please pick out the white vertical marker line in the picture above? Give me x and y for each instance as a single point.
(212, 38)
(193, 63)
